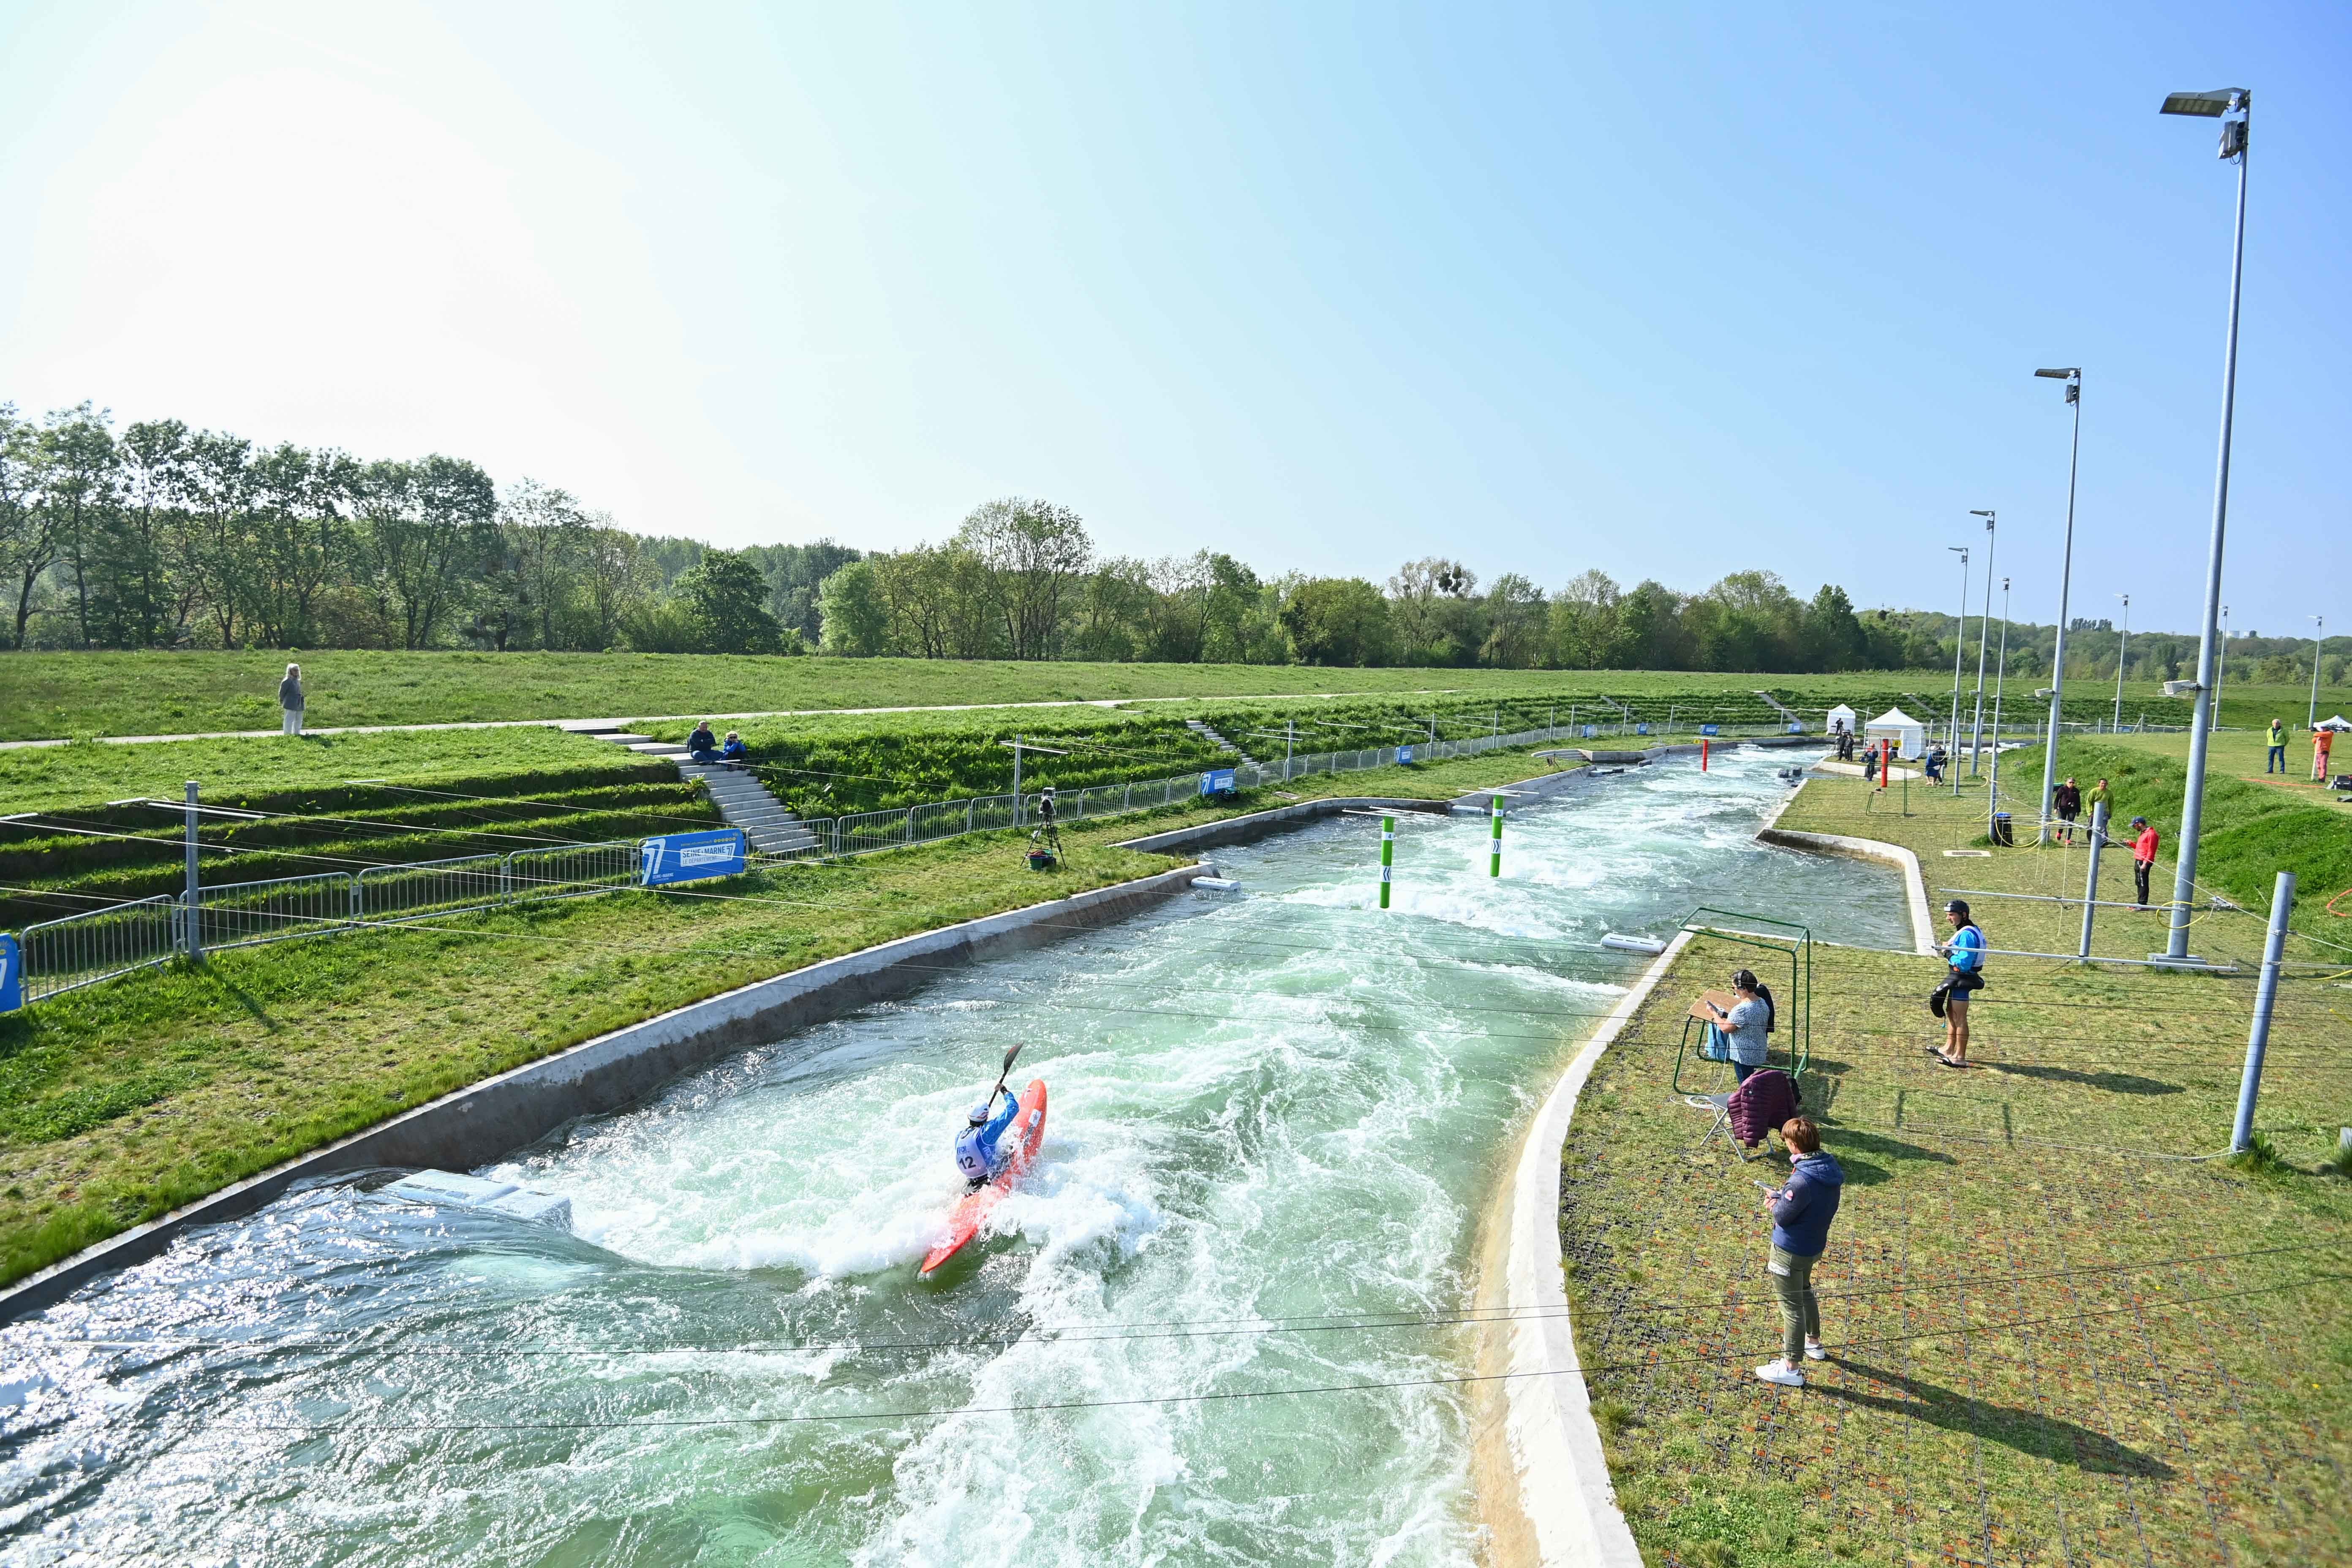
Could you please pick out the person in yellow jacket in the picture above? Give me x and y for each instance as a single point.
(2277, 758)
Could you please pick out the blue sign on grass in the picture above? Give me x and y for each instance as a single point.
(1795, 727)
(1591, 730)
(690, 856)
(12, 974)
(1404, 753)
(1217, 781)
(1710, 729)
(1640, 729)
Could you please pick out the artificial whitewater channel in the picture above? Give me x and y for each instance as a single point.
(1275, 1120)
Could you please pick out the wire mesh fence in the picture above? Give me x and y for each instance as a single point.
(574, 870)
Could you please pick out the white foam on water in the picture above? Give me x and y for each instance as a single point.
(1288, 1104)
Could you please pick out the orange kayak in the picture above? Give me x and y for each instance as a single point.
(1027, 1131)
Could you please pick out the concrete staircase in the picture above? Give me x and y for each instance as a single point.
(1219, 742)
(742, 800)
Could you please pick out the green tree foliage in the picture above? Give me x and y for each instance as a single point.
(1338, 620)
(727, 595)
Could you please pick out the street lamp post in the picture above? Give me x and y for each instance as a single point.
(1984, 636)
(2211, 105)
(2318, 625)
(1960, 644)
(2123, 647)
(2073, 376)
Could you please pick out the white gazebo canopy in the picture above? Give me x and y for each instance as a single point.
(1909, 735)
(2338, 722)
(1842, 717)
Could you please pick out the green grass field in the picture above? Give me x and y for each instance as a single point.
(46, 696)
(2053, 1338)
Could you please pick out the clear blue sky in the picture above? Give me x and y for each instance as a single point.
(1670, 292)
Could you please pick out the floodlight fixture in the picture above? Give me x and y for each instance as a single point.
(2208, 105)
(2057, 374)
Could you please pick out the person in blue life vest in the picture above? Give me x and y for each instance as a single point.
(975, 1146)
(1965, 952)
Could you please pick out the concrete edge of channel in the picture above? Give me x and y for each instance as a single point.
(1914, 881)
(1562, 1470)
(487, 1119)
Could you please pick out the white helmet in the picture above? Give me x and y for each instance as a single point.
(979, 1112)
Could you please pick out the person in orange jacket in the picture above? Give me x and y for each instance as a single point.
(2322, 742)
(2143, 856)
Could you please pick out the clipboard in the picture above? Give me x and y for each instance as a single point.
(1723, 999)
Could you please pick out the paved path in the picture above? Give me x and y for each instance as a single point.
(594, 725)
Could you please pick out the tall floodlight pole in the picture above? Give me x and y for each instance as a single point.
(1959, 645)
(2122, 648)
(1984, 636)
(2211, 105)
(2318, 641)
(2073, 376)
(2221, 670)
(1999, 674)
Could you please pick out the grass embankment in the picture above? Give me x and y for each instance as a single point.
(129, 1098)
(46, 696)
(2053, 1339)
(2252, 831)
(51, 695)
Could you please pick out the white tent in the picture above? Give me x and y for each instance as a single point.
(2338, 722)
(1909, 735)
(1842, 718)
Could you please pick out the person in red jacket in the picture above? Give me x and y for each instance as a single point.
(2143, 856)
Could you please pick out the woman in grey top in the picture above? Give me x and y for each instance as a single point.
(1746, 1024)
(289, 698)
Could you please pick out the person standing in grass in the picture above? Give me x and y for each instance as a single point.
(2143, 856)
(1746, 1024)
(2276, 757)
(2100, 795)
(1801, 1211)
(1966, 955)
(2322, 742)
(2066, 800)
(290, 701)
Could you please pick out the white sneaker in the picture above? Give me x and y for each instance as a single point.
(1781, 1372)
(1813, 1351)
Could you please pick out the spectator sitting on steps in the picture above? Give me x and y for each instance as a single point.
(702, 746)
(734, 753)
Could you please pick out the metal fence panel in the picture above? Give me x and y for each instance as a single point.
(574, 870)
(278, 909)
(433, 887)
(80, 950)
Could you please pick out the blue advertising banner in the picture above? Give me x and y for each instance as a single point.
(1710, 729)
(1640, 729)
(1404, 753)
(690, 856)
(12, 974)
(1591, 730)
(1795, 727)
(1217, 781)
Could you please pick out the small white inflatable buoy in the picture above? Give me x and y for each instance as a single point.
(1633, 943)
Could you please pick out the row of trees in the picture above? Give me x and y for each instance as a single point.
(164, 536)
(158, 535)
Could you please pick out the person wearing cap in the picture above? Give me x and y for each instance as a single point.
(1965, 952)
(2143, 856)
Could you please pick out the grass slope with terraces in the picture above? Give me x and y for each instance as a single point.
(2052, 1337)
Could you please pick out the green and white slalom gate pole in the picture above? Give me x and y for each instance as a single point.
(1495, 860)
(1387, 856)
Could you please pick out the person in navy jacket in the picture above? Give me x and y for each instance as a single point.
(1801, 1211)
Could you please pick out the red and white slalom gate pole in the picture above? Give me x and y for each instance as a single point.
(1885, 761)
(1701, 753)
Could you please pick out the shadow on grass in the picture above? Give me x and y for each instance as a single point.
(2027, 1432)
(2113, 1082)
(239, 995)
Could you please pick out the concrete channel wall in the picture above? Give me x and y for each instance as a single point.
(486, 1121)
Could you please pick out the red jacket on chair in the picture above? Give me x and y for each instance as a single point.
(1768, 1099)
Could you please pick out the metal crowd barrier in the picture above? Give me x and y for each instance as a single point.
(64, 954)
